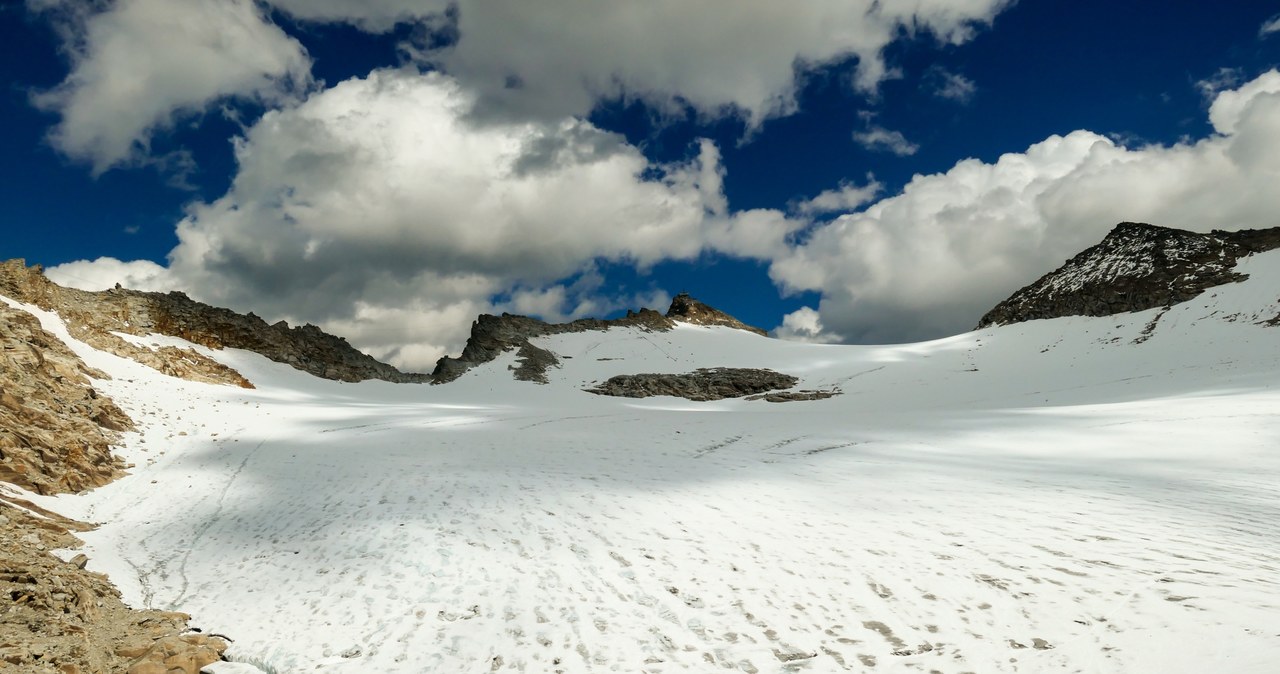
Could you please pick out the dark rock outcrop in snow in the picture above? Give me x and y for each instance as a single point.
(493, 335)
(1135, 268)
(93, 317)
(795, 396)
(701, 384)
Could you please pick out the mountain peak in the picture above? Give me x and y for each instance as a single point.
(686, 309)
(1137, 266)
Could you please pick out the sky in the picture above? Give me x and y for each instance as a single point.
(859, 171)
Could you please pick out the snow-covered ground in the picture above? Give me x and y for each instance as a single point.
(1075, 495)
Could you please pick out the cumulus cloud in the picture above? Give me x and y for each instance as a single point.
(805, 325)
(671, 53)
(716, 57)
(138, 65)
(106, 272)
(1230, 106)
(929, 261)
(879, 139)
(378, 210)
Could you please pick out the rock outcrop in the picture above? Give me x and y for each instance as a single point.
(494, 335)
(1135, 268)
(60, 618)
(702, 384)
(686, 309)
(95, 317)
(56, 430)
(796, 396)
(56, 436)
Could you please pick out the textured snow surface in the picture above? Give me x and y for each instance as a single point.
(1044, 497)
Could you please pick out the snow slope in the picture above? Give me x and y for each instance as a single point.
(1074, 495)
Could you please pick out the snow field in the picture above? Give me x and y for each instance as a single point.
(1076, 495)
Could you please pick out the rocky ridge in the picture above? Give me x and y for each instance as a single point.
(56, 430)
(95, 317)
(493, 335)
(1134, 268)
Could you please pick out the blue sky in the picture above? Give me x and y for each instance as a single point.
(838, 171)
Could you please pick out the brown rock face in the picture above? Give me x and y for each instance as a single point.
(1135, 268)
(688, 310)
(56, 431)
(92, 317)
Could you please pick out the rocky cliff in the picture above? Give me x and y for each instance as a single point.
(1135, 268)
(493, 335)
(56, 431)
(94, 317)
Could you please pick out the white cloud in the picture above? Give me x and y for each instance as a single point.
(879, 139)
(139, 64)
(106, 272)
(1229, 106)
(549, 59)
(1222, 80)
(847, 197)
(805, 325)
(670, 52)
(931, 260)
(952, 86)
(377, 209)
(1270, 26)
(580, 299)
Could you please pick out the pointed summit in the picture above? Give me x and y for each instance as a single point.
(686, 309)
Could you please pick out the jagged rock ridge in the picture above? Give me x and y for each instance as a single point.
(92, 317)
(492, 335)
(1135, 268)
